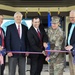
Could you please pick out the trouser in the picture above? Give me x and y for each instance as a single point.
(71, 65)
(56, 69)
(36, 65)
(13, 62)
(2, 67)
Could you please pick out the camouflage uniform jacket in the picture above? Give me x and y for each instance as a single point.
(56, 39)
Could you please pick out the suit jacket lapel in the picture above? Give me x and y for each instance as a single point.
(72, 36)
(35, 33)
(73, 30)
(41, 32)
(22, 31)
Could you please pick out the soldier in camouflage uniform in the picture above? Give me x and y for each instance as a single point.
(56, 37)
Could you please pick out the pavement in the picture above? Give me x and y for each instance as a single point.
(44, 71)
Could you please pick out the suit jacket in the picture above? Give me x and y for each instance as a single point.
(72, 40)
(3, 52)
(13, 41)
(34, 40)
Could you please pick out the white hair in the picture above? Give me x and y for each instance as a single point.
(72, 11)
(17, 14)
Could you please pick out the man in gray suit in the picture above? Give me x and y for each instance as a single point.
(16, 40)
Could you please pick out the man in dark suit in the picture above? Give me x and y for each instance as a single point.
(71, 41)
(38, 41)
(2, 46)
(16, 40)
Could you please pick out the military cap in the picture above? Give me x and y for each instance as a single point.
(55, 19)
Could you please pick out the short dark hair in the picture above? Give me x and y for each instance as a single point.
(36, 17)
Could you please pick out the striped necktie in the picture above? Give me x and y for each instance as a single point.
(39, 35)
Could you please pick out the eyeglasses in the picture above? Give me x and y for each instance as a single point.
(71, 17)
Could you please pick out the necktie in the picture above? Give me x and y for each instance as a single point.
(39, 35)
(19, 30)
(70, 34)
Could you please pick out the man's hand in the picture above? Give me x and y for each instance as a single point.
(9, 54)
(45, 45)
(44, 53)
(69, 47)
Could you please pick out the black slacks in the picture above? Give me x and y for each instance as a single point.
(36, 64)
(2, 67)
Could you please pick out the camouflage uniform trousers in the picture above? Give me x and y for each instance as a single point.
(56, 69)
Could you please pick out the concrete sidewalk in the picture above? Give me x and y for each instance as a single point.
(44, 71)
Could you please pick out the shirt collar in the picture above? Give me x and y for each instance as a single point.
(36, 29)
(17, 25)
(73, 24)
